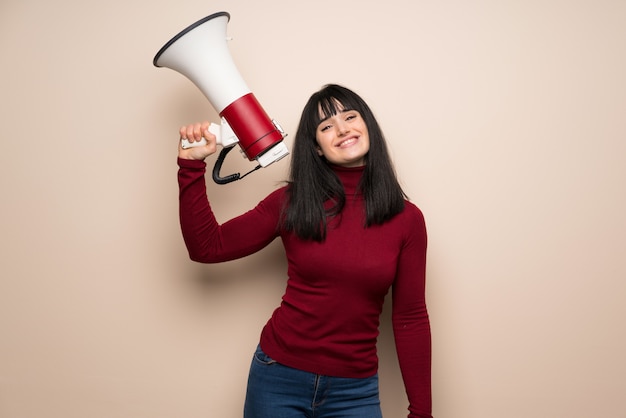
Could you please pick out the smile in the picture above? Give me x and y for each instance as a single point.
(347, 142)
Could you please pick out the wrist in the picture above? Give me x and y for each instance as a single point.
(191, 163)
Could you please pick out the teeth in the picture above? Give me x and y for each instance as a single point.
(347, 141)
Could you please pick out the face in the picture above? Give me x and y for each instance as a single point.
(343, 139)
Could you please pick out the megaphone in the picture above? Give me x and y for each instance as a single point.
(200, 53)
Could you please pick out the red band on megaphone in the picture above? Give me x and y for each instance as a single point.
(254, 129)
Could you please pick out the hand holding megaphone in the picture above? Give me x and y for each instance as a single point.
(198, 140)
(223, 133)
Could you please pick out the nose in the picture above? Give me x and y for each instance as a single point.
(342, 128)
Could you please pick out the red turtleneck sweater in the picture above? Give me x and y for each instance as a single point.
(328, 320)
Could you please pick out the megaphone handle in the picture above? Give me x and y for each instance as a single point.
(186, 144)
(214, 128)
(218, 165)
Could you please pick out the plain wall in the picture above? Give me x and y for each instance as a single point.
(506, 120)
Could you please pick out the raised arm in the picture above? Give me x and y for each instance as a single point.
(206, 239)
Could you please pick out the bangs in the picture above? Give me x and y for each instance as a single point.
(333, 101)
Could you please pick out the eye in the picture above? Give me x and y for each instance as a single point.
(325, 128)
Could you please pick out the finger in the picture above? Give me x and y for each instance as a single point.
(197, 131)
(189, 133)
(211, 138)
(205, 129)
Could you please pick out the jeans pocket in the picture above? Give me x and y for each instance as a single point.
(261, 357)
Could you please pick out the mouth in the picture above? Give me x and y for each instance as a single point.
(347, 142)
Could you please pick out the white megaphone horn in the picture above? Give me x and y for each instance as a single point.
(201, 54)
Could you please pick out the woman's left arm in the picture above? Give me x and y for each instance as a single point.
(411, 324)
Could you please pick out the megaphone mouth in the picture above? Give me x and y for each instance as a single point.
(184, 31)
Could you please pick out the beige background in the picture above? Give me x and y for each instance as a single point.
(506, 122)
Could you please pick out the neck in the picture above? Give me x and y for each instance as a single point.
(350, 177)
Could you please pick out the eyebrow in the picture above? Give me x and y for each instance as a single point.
(339, 112)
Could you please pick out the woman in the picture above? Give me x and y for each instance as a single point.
(349, 235)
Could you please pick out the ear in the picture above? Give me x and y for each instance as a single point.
(319, 151)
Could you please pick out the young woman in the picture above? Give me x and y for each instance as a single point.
(350, 235)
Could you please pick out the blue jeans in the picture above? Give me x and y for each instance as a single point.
(278, 391)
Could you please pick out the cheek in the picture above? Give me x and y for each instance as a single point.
(321, 144)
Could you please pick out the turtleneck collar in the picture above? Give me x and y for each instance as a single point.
(349, 176)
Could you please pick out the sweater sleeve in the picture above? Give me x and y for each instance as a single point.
(410, 320)
(207, 240)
